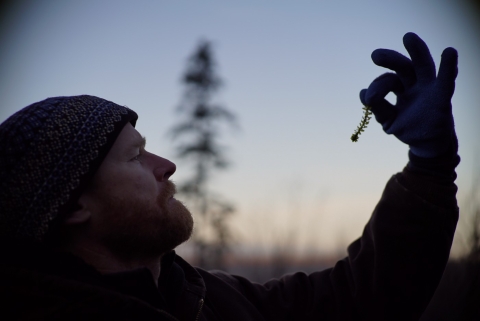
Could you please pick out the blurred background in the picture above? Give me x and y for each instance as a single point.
(298, 190)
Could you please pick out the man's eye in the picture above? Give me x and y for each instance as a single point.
(136, 158)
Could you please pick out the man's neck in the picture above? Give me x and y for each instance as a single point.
(105, 262)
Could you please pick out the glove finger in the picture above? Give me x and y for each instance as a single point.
(447, 73)
(383, 111)
(362, 96)
(397, 62)
(374, 97)
(421, 58)
(381, 86)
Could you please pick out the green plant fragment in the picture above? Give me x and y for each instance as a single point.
(367, 115)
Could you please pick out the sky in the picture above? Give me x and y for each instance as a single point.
(292, 72)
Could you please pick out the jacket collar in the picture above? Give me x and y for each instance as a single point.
(181, 288)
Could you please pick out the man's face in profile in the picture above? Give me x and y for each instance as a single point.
(131, 201)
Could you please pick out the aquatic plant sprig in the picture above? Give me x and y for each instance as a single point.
(367, 115)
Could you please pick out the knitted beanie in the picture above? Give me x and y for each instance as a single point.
(49, 151)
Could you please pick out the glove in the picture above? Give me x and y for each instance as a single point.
(422, 116)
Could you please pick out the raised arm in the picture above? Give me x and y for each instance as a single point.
(393, 269)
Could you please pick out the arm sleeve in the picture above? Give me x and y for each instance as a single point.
(391, 271)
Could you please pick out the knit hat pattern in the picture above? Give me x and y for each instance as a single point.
(48, 153)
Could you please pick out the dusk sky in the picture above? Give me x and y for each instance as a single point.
(292, 73)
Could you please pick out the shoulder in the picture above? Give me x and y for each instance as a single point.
(33, 295)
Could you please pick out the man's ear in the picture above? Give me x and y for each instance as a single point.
(80, 213)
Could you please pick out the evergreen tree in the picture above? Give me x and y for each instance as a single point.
(197, 136)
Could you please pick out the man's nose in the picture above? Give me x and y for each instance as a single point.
(163, 168)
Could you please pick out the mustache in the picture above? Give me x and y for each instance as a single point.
(169, 190)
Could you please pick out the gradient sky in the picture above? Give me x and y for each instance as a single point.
(292, 71)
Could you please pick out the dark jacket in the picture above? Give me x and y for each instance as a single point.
(391, 273)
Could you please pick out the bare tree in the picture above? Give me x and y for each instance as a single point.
(197, 136)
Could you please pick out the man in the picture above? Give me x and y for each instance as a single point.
(89, 219)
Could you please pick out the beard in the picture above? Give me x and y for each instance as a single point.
(138, 228)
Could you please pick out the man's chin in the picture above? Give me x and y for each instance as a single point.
(183, 220)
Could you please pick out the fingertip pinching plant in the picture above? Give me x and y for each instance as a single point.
(367, 115)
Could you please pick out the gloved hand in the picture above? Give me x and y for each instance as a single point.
(422, 116)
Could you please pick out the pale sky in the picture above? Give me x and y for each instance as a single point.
(292, 71)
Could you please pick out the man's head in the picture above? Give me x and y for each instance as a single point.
(62, 157)
(129, 206)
